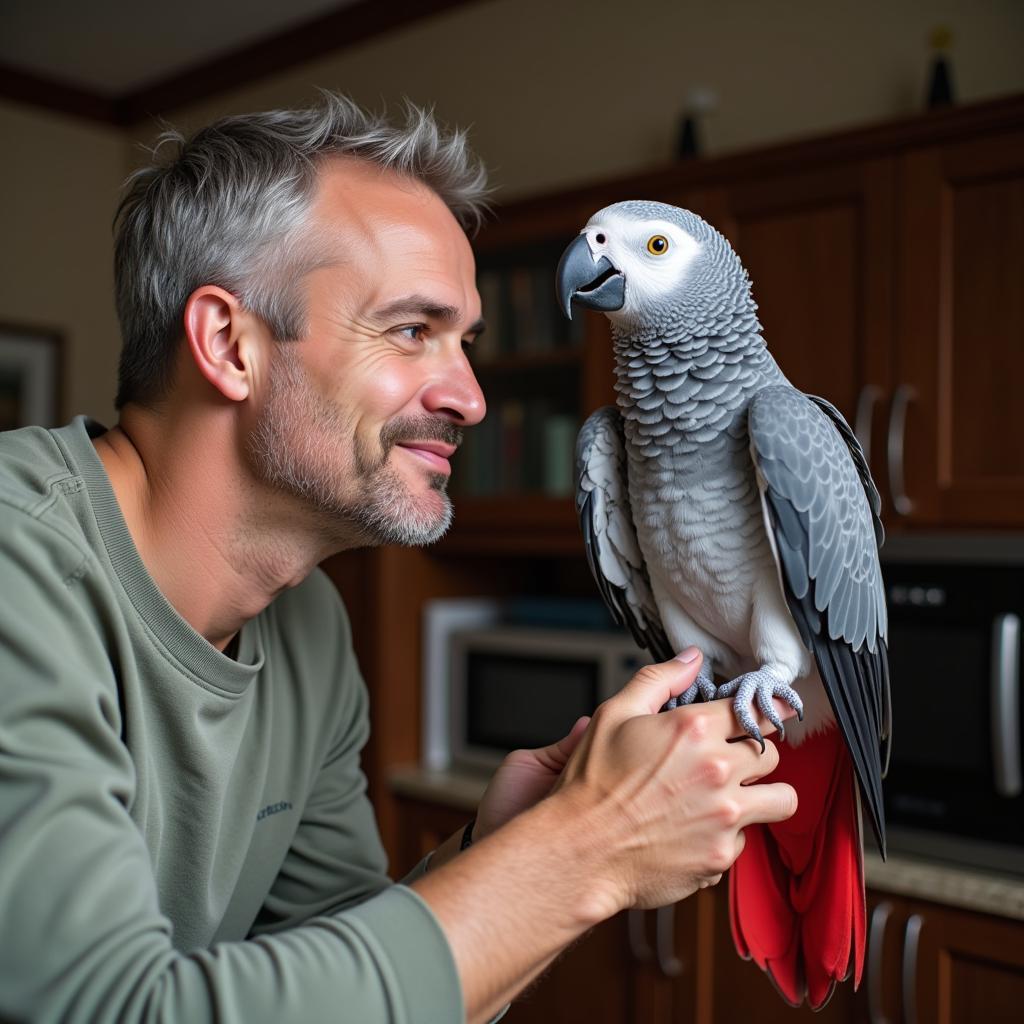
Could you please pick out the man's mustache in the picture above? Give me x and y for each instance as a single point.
(419, 428)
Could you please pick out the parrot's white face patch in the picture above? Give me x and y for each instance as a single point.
(653, 255)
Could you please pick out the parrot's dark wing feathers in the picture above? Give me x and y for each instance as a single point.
(602, 502)
(821, 512)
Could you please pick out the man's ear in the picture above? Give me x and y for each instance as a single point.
(217, 331)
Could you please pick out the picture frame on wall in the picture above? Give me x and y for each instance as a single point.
(30, 376)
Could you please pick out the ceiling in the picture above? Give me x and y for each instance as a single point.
(112, 47)
(120, 60)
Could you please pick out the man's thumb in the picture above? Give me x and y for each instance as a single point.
(558, 753)
(654, 685)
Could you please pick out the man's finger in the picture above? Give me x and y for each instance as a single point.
(654, 685)
(768, 802)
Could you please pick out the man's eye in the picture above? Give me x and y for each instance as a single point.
(414, 332)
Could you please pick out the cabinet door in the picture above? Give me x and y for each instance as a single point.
(960, 966)
(960, 335)
(880, 998)
(672, 970)
(591, 983)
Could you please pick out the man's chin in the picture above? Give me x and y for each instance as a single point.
(408, 523)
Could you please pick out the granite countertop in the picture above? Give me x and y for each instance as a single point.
(902, 875)
(951, 884)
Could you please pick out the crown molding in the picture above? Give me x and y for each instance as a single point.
(327, 33)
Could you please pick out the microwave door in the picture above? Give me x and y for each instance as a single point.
(956, 754)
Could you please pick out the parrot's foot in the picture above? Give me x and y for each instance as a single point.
(761, 686)
(704, 685)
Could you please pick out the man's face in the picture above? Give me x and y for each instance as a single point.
(359, 417)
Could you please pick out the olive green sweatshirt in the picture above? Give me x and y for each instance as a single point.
(184, 837)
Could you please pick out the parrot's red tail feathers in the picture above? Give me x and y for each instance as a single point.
(796, 893)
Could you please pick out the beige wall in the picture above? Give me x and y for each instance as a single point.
(558, 91)
(59, 180)
(555, 91)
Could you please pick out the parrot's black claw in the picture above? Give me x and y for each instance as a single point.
(760, 686)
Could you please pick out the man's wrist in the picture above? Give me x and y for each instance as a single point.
(575, 834)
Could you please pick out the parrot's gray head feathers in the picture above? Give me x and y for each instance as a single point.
(649, 266)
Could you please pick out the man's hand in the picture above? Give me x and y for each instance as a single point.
(668, 794)
(525, 777)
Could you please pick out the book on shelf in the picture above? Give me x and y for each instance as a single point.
(523, 446)
(522, 315)
(559, 455)
(489, 344)
(511, 453)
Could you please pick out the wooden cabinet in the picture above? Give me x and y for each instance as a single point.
(890, 284)
(931, 964)
(959, 352)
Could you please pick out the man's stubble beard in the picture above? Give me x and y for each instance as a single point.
(294, 448)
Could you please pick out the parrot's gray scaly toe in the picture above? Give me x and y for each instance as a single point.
(760, 686)
(704, 685)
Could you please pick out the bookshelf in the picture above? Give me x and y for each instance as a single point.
(529, 364)
(513, 481)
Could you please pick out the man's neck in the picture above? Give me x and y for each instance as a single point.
(218, 548)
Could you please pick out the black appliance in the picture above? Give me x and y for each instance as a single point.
(955, 788)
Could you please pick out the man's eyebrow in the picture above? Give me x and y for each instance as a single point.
(421, 306)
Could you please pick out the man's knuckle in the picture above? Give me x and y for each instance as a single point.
(729, 813)
(718, 771)
(697, 723)
(721, 855)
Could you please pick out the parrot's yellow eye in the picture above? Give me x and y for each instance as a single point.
(657, 245)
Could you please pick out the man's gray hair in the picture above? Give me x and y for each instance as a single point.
(229, 206)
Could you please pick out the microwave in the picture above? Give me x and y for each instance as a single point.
(497, 686)
(955, 786)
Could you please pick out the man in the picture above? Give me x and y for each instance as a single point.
(184, 831)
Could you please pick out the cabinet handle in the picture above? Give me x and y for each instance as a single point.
(639, 947)
(1006, 705)
(665, 936)
(876, 939)
(866, 400)
(901, 400)
(911, 941)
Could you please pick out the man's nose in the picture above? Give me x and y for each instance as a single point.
(455, 392)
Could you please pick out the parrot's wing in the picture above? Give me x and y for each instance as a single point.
(821, 512)
(602, 501)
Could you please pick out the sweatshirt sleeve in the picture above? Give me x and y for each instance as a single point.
(81, 930)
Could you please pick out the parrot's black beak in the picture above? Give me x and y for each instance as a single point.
(596, 285)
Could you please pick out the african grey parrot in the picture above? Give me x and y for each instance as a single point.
(721, 507)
